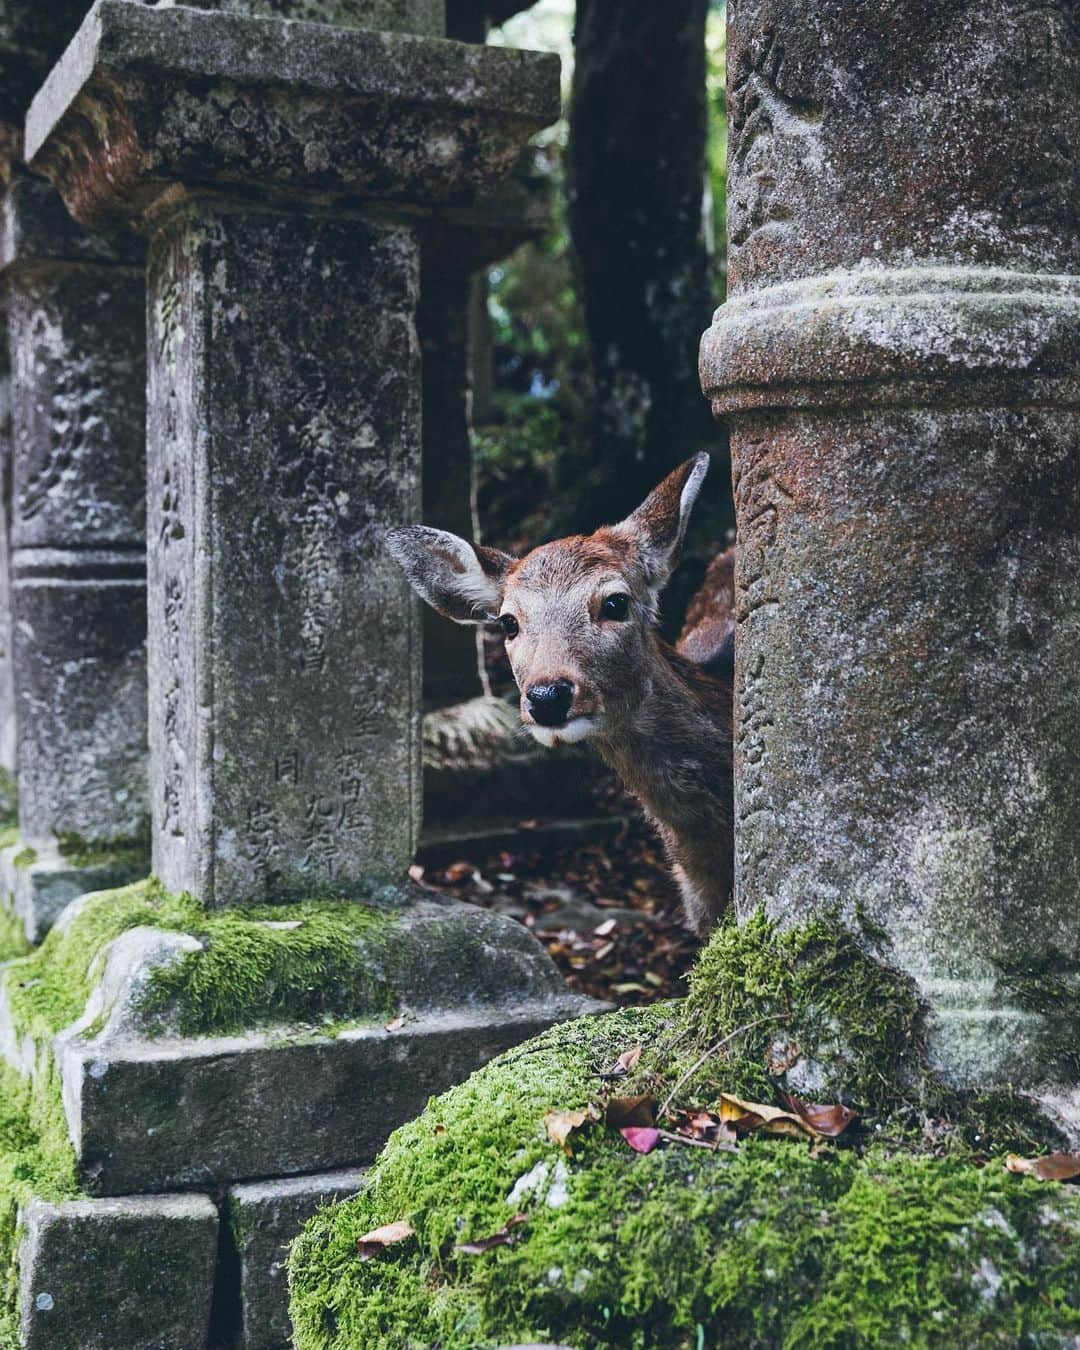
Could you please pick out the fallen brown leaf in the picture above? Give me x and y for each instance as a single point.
(505, 1237)
(704, 1127)
(562, 1124)
(371, 1244)
(622, 1112)
(746, 1117)
(623, 1065)
(827, 1120)
(1051, 1167)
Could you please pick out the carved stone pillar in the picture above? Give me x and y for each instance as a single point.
(899, 363)
(72, 663)
(78, 569)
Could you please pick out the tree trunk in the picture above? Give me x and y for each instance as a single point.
(636, 181)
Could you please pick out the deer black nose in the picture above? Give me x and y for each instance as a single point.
(549, 703)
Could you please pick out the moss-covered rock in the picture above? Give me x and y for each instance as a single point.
(309, 963)
(911, 1231)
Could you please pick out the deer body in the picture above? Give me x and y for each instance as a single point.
(579, 617)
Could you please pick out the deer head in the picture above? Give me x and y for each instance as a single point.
(578, 614)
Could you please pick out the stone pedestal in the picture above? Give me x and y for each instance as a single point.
(78, 589)
(135, 1271)
(899, 363)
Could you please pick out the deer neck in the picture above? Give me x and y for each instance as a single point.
(673, 750)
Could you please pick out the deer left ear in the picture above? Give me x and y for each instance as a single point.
(658, 526)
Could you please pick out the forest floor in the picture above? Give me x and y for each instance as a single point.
(607, 911)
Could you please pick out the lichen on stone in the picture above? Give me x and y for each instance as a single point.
(910, 1231)
(128, 854)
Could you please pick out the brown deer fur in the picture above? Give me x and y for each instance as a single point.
(580, 617)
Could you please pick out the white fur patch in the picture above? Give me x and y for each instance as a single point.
(577, 729)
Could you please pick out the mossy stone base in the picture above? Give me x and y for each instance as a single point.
(911, 1231)
(199, 1047)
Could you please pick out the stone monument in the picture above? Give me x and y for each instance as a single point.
(284, 175)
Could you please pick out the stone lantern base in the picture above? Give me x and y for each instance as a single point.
(194, 1085)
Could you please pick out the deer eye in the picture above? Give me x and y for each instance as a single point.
(509, 626)
(615, 607)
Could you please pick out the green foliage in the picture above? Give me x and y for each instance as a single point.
(775, 1245)
(716, 87)
(13, 941)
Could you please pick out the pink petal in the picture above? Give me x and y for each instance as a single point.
(641, 1138)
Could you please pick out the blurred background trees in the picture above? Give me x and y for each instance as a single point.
(594, 391)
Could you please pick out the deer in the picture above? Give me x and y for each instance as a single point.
(579, 617)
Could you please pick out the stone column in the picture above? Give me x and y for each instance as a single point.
(899, 364)
(75, 667)
(284, 426)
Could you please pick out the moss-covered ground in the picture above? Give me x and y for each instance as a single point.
(908, 1230)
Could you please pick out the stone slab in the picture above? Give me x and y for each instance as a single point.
(179, 1114)
(118, 1274)
(180, 95)
(38, 891)
(265, 1217)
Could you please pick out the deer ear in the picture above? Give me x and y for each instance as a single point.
(462, 581)
(658, 526)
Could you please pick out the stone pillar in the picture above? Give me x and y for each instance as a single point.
(899, 365)
(72, 545)
(7, 687)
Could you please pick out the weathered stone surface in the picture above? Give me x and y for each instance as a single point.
(900, 361)
(166, 95)
(150, 1108)
(76, 327)
(150, 1115)
(265, 1217)
(106, 1274)
(7, 686)
(283, 431)
(39, 883)
(391, 16)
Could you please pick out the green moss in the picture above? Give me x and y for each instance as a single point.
(117, 855)
(13, 941)
(9, 835)
(36, 1159)
(250, 971)
(26, 857)
(902, 1234)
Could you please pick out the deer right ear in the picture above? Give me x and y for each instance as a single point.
(462, 581)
